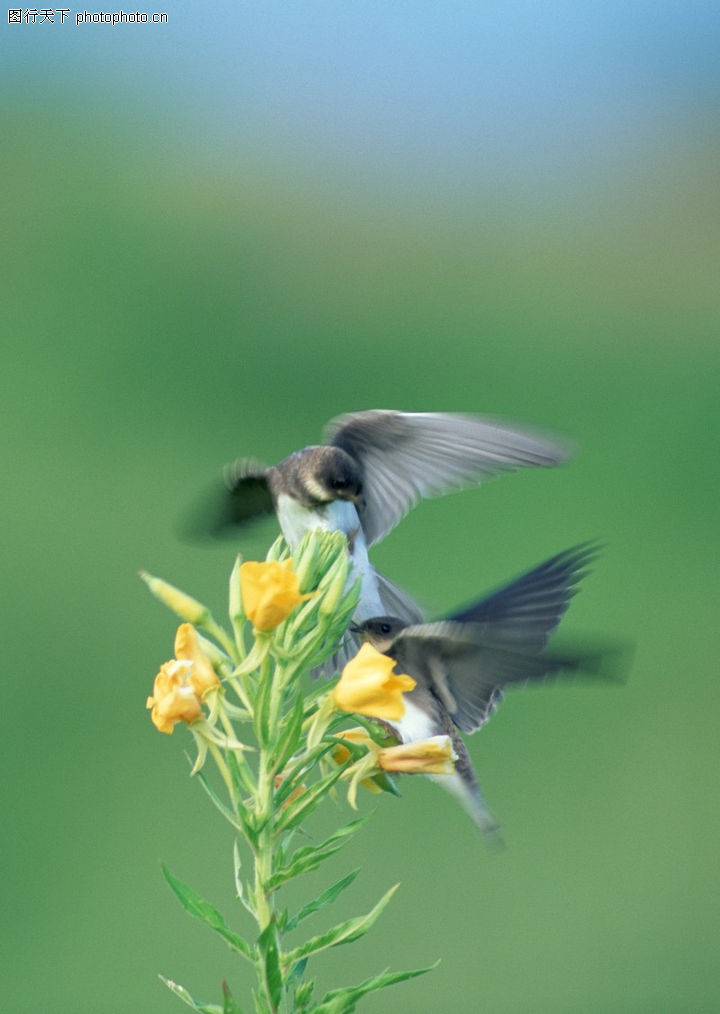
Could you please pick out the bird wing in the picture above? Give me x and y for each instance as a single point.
(397, 602)
(242, 495)
(468, 674)
(526, 611)
(405, 456)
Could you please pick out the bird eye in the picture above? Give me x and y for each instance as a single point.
(384, 628)
(338, 484)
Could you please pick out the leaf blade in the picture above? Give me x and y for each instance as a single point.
(324, 899)
(207, 913)
(344, 933)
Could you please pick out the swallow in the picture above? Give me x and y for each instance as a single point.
(463, 663)
(372, 469)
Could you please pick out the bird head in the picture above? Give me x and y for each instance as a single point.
(328, 474)
(380, 631)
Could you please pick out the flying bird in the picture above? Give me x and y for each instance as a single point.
(372, 469)
(463, 663)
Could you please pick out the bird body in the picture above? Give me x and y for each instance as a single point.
(462, 664)
(374, 467)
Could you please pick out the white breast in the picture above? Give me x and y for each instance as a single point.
(415, 724)
(338, 516)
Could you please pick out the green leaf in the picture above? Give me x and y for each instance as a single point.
(261, 717)
(342, 1001)
(322, 901)
(344, 932)
(299, 769)
(386, 784)
(311, 856)
(204, 1008)
(239, 886)
(298, 810)
(242, 779)
(261, 1006)
(230, 1005)
(270, 951)
(241, 821)
(203, 910)
(289, 737)
(303, 994)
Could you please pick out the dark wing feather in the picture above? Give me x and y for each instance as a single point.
(468, 676)
(397, 602)
(405, 456)
(242, 496)
(525, 612)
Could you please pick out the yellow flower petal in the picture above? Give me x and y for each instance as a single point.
(173, 699)
(434, 756)
(270, 592)
(368, 686)
(201, 675)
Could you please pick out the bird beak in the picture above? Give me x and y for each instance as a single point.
(354, 629)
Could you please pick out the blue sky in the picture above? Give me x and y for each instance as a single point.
(439, 94)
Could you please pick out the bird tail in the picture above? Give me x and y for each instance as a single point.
(471, 799)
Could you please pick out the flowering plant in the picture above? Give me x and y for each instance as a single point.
(279, 746)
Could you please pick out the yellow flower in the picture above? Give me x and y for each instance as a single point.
(201, 675)
(270, 592)
(173, 698)
(434, 756)
(368, 686)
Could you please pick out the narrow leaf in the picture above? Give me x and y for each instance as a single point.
(290, 736)
(343, 933)
(342, 1001)
(300, 769)
(230, 1005)
(301, 863)
(203, 910)
(261, 719)
(303, 994)
(311, 856)
(270, 950)
(294, 813)
(322, 901)
(240, 822)
(239, 886)
(178, 990)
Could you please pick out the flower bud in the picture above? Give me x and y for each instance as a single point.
(235, 607)
(187, 608)
(336, 582)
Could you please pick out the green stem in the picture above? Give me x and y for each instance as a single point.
(223, 769)
(215, 630)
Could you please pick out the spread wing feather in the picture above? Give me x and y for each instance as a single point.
(467, 674)
(405, 456)
(240, 496)
(526, 611)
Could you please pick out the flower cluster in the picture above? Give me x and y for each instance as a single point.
(288, 616)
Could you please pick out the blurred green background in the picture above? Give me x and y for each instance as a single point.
(219, 233)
